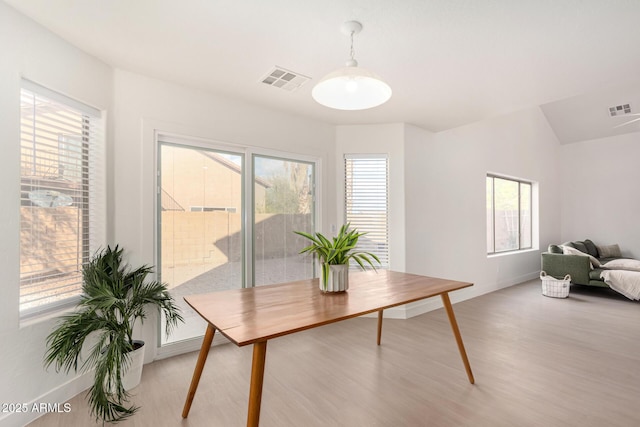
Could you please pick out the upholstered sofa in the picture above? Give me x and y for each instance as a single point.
(583, 266)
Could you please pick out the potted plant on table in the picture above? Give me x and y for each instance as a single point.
(334, 256)
(114, 298)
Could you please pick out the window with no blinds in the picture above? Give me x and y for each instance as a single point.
(367, 201)
(61, 196)
(509, 214)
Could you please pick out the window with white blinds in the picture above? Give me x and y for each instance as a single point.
(61, 196)
(367, 201)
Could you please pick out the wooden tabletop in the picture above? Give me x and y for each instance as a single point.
(250, 315)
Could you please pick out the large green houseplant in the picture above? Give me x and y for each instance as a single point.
(338, 251)
(115, 296)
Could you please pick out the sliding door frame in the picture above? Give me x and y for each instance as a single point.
(247, 210)
(275, 155)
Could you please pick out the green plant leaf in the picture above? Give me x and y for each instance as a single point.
(114, 298)
(340, 249)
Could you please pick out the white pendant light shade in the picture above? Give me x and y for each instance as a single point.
(351, 88)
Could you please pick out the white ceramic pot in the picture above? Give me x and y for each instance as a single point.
(335, 278)
(133, 373)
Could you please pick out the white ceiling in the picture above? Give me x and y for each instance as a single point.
(449, 62)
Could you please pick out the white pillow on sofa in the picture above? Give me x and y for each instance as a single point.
(623, 264)
(568, 250)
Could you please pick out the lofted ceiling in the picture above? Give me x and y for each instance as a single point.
(449, 62)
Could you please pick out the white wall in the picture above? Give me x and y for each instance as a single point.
(600, 199)
(377, 139)
(438, 201)
(446, 202)
(143, 105)
(33, 53)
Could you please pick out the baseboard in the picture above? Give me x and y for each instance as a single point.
(410, 310)
(424, 306)
(51, 401)
(519, 279)
(187, 346)
(54, 399)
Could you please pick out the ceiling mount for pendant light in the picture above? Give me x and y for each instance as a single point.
(351, 87)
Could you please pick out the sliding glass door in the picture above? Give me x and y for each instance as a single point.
(200, 226)
(208, 241)
(283, 194)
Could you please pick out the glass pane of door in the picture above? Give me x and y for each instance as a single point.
(200, 231)
(283, 203)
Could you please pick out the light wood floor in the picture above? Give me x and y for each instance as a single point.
(537, 361)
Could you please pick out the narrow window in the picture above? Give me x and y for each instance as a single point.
(509, 225)
(61, 196)
(367, 201)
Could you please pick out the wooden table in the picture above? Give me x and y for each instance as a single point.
(256, 315)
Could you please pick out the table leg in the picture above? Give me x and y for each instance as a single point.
(257, 377)
(197, 372)
(456, 332)
(379, 325)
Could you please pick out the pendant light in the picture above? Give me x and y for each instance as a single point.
(351, 87)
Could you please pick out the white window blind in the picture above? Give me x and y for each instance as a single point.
(61, 196)
(366, 201)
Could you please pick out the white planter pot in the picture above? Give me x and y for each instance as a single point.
(133, 373)
(335, 278)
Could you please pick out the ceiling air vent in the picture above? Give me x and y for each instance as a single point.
(620, 110)
(285, 79)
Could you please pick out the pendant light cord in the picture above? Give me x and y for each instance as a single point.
(352, 62)
(353, 52)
